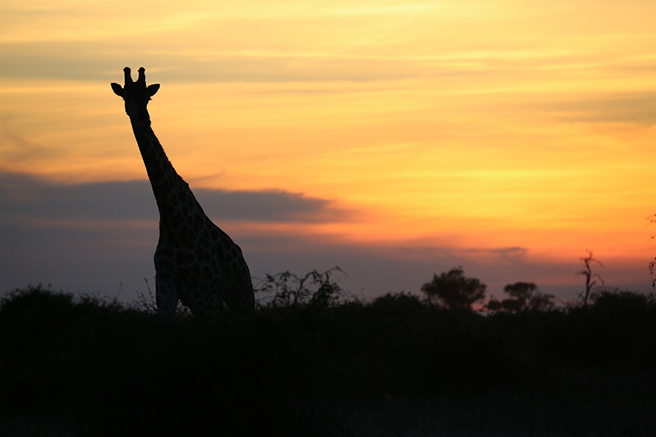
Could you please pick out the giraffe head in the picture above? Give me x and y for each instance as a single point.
(136, 94)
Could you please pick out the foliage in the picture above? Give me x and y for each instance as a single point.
(398, 303)
(148, 302)
(285, 289)
(617, 301)
(96, 367)
(453, 290)
(314, 289)
(524, 296)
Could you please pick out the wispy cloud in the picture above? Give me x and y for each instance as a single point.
(17, 149)
(634, 108)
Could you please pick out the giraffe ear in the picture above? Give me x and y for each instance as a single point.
(152, 89)
(118, 89)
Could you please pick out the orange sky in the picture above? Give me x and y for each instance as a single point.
(470, 125)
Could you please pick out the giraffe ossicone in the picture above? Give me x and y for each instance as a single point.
(195, 261)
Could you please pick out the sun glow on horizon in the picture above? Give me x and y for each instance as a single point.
(480, 125)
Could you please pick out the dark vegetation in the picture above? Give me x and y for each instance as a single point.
(453, 290)
(313, 362)
(523, 296)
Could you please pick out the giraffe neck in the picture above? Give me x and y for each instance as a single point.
(171, 192)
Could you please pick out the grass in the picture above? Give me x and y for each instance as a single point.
(391, 367)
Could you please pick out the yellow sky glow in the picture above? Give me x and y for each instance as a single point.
(484, 123)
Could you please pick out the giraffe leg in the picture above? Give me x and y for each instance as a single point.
(166, 296)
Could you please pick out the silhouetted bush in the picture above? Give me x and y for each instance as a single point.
(621, 302)
(315, 289)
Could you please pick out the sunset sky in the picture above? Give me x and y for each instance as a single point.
(393, 139)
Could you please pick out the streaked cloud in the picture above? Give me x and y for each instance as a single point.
(633, 108)
(27, 199)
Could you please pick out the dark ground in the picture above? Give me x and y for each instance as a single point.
(392, 367)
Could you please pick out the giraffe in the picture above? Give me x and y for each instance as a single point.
(195, 261)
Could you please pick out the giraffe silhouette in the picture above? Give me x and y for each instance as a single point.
(195, 261)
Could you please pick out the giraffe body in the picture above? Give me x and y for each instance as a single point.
(195, 261)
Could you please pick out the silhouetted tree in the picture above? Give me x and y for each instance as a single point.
(587, 272)
(521, 291)
(524, 296)
(652, 264)
(452, 290)
(541, 302)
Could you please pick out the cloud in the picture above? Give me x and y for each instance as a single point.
(17, 149)
(95, 61)
(28, 198)
(100, 238)
(636, 108)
